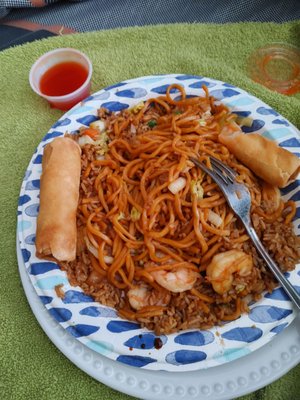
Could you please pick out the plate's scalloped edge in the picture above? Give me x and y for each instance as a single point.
(252, 346)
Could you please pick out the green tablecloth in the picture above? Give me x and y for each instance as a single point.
(30, 365)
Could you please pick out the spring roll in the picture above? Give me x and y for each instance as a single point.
(264, 157)
(56, 233)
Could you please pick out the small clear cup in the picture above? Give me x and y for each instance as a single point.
(52, 58)
(276, 66)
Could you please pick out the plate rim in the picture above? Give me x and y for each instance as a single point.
(130, 81)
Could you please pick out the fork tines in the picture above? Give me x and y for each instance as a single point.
(223, 169)
(219, 171)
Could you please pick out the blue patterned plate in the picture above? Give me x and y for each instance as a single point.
(98, 327)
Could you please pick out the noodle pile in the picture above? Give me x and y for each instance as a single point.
(150, 222)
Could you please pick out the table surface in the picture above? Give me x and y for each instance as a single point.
(55, 17)
(17, 25)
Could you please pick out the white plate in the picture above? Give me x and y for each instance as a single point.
(98, 327)
(244, 375)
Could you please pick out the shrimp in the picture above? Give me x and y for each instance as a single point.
(220, 272)
(180, 280)
(142, 296)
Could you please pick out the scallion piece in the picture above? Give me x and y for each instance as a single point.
(152, 123)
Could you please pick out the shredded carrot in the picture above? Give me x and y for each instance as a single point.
(93, 133)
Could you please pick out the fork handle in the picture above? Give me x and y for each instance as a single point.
(287, 286)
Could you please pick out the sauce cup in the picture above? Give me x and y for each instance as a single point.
(52, 59)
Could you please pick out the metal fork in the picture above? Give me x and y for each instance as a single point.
(239, 199)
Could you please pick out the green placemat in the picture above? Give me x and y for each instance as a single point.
(31, 367)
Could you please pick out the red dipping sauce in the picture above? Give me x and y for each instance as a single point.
(63, 78)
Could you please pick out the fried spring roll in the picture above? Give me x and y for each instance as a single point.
(56, 233)
(265, 158)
